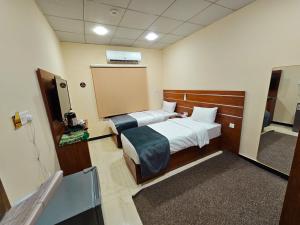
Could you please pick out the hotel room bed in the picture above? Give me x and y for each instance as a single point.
(149, 150)
(181, 134)
(143, 118)
(180, 143)
(137, 119)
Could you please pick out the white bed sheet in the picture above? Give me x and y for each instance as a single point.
(181, 133)
(145, 118)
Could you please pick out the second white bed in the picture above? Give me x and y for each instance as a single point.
(146, 117)
(181, 133)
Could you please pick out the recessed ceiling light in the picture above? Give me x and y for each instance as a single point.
(100, 30)
(151, 36)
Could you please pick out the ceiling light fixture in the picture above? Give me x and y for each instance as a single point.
(151, 36)
(100, 30)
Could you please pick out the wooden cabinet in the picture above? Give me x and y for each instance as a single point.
(73, 157)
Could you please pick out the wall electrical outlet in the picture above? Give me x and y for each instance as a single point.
(25, 117)
(231, 125)
(21, 118)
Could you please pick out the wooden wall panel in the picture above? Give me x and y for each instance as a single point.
(290, 214)
(209, 92)
(218, 99)
(176, 96)
(230, 110)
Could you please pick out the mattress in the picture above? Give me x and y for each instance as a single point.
(178, 141)
(145, 118)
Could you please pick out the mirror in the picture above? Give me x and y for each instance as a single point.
(281, 119)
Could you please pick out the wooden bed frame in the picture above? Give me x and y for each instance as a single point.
(230, 111)
(177, 160)
(117, 140)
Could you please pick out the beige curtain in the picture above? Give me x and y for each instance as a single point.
(120, 90)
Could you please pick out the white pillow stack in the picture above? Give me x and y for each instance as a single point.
(207, 115)
(169, 106)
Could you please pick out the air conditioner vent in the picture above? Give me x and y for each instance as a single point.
(120, 57)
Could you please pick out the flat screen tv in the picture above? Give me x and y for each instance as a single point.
(63, 96)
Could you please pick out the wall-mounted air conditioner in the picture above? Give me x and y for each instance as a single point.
(123, 57)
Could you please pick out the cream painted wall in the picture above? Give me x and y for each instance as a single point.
(238, 53)
(26, 43)
(288, 95)
(79, 57)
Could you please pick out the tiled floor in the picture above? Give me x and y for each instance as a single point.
(117, 184)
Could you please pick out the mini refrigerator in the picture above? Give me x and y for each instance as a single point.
(77, 201)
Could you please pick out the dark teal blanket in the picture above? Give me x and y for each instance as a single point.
(124, 122)
(152, 148)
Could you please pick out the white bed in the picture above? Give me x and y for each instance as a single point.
(182, 133)
(145, 118)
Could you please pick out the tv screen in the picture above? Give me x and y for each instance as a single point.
(63, 96)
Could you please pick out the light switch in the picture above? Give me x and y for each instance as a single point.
(231, 125)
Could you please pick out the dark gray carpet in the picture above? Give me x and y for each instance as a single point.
(277, 150)
(223, 190)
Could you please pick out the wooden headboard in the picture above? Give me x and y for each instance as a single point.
(230, 110)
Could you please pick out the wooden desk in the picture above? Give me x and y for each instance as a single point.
(74, 157)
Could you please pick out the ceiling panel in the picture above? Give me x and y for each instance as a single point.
(137, 20)
(72, 9)
(159, 45)
(90, 26)
(96, 12)
(172, 20)
(185, 9)
(164, 25)
(122, 32)
(96, 39)
(70, 37)
(170, 38)
(122, 41)
(186, 29)
(141, 44)
(210, 15)
(63, 24)
(155, 7)
(120, 3)
(234, 4)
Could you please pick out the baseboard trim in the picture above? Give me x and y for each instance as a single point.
(100, 137)
(284, 124)
(265, 167)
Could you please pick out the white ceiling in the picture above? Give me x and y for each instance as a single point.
(172, 20)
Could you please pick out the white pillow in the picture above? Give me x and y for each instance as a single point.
(207, 115)
(169, 106)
